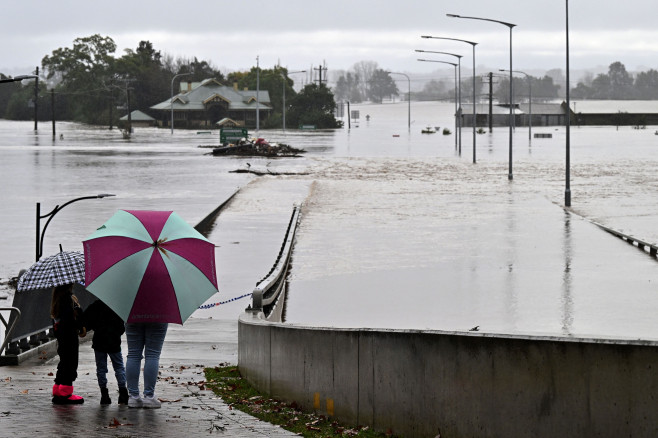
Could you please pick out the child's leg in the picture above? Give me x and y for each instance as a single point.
(119, 369)
(101, 368)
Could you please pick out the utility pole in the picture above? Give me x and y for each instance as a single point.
(130, 124)
(111, 109)
(36, 97)
(490, 102)
(319, 69)
(52, 105)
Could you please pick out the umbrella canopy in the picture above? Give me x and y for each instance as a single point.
(65, 267)
(150, 266)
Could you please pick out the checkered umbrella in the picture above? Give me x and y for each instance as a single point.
(65, 267)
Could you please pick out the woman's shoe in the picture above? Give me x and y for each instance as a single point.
(135, 401)
(151, 402)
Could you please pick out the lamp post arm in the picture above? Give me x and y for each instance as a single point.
(18, 78)
(52, 214)
(510, 25)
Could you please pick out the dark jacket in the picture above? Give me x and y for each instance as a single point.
(69, 321)
(107, 327)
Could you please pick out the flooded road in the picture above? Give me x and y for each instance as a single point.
(398, 230)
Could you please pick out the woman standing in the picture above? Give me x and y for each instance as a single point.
(146, 338)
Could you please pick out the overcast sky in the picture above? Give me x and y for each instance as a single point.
(298, 34)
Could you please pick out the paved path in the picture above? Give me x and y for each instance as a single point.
(187, 409)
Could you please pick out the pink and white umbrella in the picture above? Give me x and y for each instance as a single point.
(150, 266)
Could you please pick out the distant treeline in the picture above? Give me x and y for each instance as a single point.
(87, 83)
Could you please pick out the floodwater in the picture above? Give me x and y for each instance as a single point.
(399, 230)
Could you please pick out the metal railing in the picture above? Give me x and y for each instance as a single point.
(651, 248)
(271, 289)
(9, 328)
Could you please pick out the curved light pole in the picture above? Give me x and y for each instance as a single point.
(40, 233)
(284, 95)
(454, 65)
(473, 44)
(510, 175)
(529, 99)
(408, 96)
(171, 101)
(459, 94)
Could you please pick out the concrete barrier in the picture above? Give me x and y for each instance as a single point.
(457, 384)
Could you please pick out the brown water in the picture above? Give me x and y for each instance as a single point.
(398, 229)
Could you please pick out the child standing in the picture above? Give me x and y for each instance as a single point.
(108, 328)
(67, 325)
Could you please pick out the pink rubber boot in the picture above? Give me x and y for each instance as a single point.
(63, 395)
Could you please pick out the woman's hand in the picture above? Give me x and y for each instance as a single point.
(83, 332)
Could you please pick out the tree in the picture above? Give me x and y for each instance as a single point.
(432, 90)
(81, 73)
(363, 70)
(142, 68)
(646, 84)
(381, 85)
(314, 105)
(347, 88)
(601, 87)
(621, 82)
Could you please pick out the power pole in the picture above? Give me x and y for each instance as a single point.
(36, 97)
(52, 105)
(319, 69)
(490, 102)
(130, 124)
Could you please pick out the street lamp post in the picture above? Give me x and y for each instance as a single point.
(40, 233)
(455, 66)
(458, 90)
(408, 96)
(473, 44)
(284, 95)
(257, 95)
(511, 111)
(567, 190)
(171, 101)
(529, 100)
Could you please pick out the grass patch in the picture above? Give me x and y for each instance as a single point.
(226, 381)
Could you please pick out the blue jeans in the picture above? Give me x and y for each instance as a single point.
(117, 365)
(144, 338)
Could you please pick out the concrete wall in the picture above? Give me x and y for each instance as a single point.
(422, 383)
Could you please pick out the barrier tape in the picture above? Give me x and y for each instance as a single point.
(211, 305)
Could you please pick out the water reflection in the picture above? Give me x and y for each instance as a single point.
(567, 301)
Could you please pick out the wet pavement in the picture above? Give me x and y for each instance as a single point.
(188, 409)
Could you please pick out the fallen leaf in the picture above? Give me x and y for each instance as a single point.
(50, 374)
(114, 423)
(25, 391)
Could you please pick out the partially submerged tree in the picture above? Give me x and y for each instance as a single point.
(313, 105)
(381, 85)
